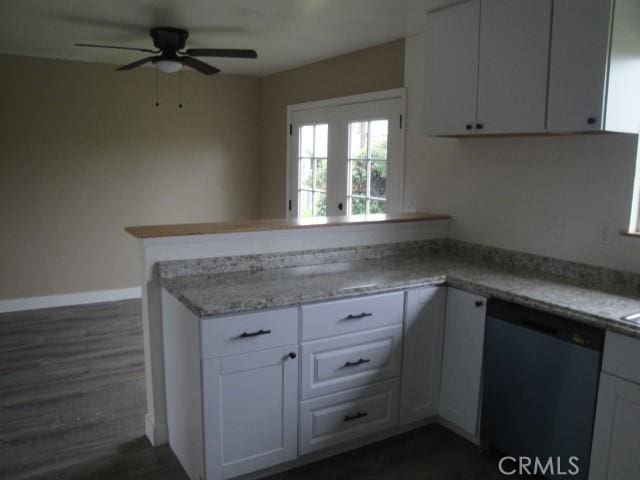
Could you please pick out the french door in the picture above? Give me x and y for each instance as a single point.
(346, 158)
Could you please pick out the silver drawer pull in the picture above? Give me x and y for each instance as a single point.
(255, 334)
(359, 362)
(359, 316)
(358, 415)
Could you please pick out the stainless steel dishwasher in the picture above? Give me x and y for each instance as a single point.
(540, 387)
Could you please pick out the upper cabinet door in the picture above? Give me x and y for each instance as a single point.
(452, 70)
(578, 71)
(514, 59)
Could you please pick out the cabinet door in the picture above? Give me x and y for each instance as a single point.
(514, 63)
(422, 359)
(250, 411)
(462, 360)
(452, 70)
(615, 453)
(578, 68)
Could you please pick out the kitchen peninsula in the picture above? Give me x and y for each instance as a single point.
(249, 237)
(276, 317)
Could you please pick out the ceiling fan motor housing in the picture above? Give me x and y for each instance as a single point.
(169, 39)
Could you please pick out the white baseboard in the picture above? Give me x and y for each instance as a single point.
(158, 434)
(82, 298)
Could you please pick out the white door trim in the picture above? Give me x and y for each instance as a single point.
(395, 93)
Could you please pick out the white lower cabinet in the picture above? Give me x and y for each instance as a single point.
(250, 391)
(615, 453)
(237, 401)
(250, 411)
(462, 360)
(422, 358)
(337, 418)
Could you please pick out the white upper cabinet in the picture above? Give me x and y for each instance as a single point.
(595, 66)
(533, 66)
(513, 67)
(578, 71)
(452, 70)
(488, 67)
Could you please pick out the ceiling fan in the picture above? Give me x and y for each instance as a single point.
(169, 43)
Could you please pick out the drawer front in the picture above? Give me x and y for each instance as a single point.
(352, 360)
(622, 356)
(249, 332)
(352, 315)
(345, 416)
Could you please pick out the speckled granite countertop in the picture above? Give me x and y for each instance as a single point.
(225, 293)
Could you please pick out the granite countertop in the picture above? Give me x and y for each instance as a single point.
(226, 293)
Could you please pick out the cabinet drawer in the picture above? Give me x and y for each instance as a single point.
(249, 332)
(348, 415)
(338, 363)
(351, 315)
(622, 356)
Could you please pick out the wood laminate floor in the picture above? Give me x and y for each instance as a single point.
(72, 405)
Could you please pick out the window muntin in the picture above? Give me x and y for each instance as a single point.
(368, 167)
(312, 170)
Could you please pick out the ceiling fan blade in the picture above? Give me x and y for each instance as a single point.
(222, 52)
(117, 48)
(199, 66)
(135, 64)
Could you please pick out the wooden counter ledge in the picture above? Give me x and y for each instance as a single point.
(154, 231)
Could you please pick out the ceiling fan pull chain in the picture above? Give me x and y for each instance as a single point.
(157, 88)
(180, 104)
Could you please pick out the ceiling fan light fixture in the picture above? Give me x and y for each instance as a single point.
(168, 66)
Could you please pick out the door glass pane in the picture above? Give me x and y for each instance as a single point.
(306, 141)
(358, 206)
(378, 179)
(312, 170)
(321, 174)
(319, 204)
(368, 148)
(358, 139)
(379, 134)
(306, 173)
(305, 203)
(321, 141)
(377, 206)
(358, 176)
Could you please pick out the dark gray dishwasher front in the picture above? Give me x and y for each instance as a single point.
(540, 387)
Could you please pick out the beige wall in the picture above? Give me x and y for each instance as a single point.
(85, 152)
(376, 68)
(546, 195)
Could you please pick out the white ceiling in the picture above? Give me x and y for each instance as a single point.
(286, 33)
